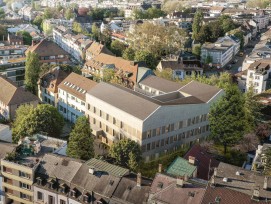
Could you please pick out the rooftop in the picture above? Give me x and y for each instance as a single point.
(181, 167)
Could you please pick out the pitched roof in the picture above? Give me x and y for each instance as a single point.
(10, 94)
(164, 189)
(120, 64)
(161, 84)
(61, 167)
(204, 161)
(181, 167)
(104, 166)
(47, 48)
(52, 79)
(6, 148)
(96, 48)
(77, 85)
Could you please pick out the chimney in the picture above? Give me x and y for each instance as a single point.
(265, 183)
(138, 180)
(215, 172)
(191, 160)
(160, 168)
(180, 182)
(256, 194)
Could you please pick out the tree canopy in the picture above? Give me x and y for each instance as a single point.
(27, 38)
(228, 118)
(42, 119)
(32, 70)
(80, 144)
(257, 3)
(197, 23)
(117, 48)
(126, 153)
(148, 14)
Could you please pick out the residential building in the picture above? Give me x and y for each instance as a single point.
(95, 49)
(262, 18)
(50, 53)
(50, 24)
(216, 11)
(183, 168)
(204, 161)
(24, 27)
(6, 148)
(170, 190)
(259, 160)
(13, 69)
(11, 51)
(235, 185)
(181, 67)
(259, 76)
(126, 71)
(72, 96)
(48, 85)
(159, 123)
(74, 44)
(11, 97)
(27, 13)
(221, 52)
(19, 172)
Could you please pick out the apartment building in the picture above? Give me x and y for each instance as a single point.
(50, 24)
(259, 76)
(72, 96)
(49, 52)
(11, 51)
(74, 44)
(221, 52)
(19, 171)
(48, 85)
(262, 19)
(95, 49)
(159, 123)
(11, 97)
(13, 69)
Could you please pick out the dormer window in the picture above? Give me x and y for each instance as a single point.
(86, 198)
(73, 192)
(39, 181)
(51, 183)
(63, 188)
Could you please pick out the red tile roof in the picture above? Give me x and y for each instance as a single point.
(203, 160)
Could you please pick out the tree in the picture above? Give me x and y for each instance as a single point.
(77, 27)
(128, 54)
(32, 70)
(80, 144)
(69, 14)
(117, 48)
(197, 51)
(257, 3)
(227, 118)
(27, 38)
(165, 74)
(126, 153)
(3, 32)
(95, 31)
(147, 57)
(43, 119)
(38, 21)
(215, 30)
(249, 142)
(228, 25)
(240, 35)
(171, 6)
(197, 23)
(204, 35)
(262, 131)
(106, 37)
(48, 13)
(108, 75)
(2, 14)
(208, 59)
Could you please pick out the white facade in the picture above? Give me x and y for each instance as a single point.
(263, 20)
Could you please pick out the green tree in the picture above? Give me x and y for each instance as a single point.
(43, 119)
(48, 13)
(27, 38)
(208, 59)
(95, 32)
(215, 30)
(80, 144)
(2, 14)
(155, 13)
(257, 3)
(228, 25)
(126, 153)
(106, 37)
(197, 23)
(129, 54)
(165, 74)
(38, 21)
(3, 32)
(240, 35)
(32, 70)
(227, 118)
(147, 57)
(205, 34)
(117, 48)
(77, 27)
(69, 14)
(197, 51)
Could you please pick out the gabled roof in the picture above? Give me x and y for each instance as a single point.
(77, 85)
(96, 48)
(181, 167)
(204, 161)
(47, 48)
(10, 94)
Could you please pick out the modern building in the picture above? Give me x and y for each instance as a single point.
(13, 69)
(221, 52)
(48, 85)
(49, 52)
(11, 97)
(18, 169)
(259, 76)
(11, 51)
(175, 117)
(72, 96)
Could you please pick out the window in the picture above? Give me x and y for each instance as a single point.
(7, 170)
(25, 186)
(158, 131)
(23, 174)
(86, 198)
(148, 134)
(167, 128)
(50, 199)
(114, 120)
(107, 116)
(181, 124)
(62, 201)
(40, 195)
(24, 196)
(73, 193)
